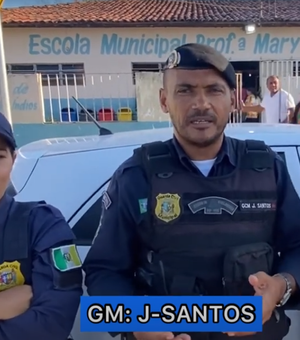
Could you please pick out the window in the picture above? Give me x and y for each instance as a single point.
(145, 67)
(296, 69)
(52, 74)
(86, 227)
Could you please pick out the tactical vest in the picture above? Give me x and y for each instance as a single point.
(205, 236)
(15, 252)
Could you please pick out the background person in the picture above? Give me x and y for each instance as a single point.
(277, 105)
(252, 99)
(296, 117)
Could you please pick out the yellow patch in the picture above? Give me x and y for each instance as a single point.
(10, 275)
(167, 207)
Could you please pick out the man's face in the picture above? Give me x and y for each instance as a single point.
(199, 103)
(273, 84)
(6, 164)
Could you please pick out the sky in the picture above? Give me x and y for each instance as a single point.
(18, 3)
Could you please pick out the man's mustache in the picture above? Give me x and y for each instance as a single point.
(200, 115)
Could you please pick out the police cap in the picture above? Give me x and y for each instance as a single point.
(198, 57)
(6, 132)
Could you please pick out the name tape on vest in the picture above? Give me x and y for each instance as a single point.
(213, 205)
(257, 205)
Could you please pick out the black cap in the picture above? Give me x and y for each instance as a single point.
(6, 132)
(197, 57)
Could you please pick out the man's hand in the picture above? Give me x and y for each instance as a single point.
(271, 289)
(160, 336)
(15, 301)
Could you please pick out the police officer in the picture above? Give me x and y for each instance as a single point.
(208, 213)
(40, 269)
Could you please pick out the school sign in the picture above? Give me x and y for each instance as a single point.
(235, 44)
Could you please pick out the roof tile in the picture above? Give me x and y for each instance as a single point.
(159, 11)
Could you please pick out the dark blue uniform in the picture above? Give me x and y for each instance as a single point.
(56, 294)
(110, 264)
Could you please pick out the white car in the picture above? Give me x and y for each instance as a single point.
(73, 173)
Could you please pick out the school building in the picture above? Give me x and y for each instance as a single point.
(109, 54)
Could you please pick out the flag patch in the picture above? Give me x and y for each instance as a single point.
(66, 258)
(143, 205)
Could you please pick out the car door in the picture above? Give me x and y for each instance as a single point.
(291, 157)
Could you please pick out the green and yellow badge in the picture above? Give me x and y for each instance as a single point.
(66, 258)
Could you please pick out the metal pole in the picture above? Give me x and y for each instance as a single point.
(3, 78)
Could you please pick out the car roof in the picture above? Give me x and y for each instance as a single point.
(272, 134)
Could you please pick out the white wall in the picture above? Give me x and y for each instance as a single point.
(26, 97)
(107, 53)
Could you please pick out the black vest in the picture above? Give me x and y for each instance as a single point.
(15, 252)
(205, 236)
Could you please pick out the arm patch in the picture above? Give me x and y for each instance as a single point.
(66, 258)
(67, 272)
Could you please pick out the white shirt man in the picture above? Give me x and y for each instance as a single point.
(277, 105)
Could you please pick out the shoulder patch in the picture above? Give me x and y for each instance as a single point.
(66, 258)
(106, 200)
(143, 203)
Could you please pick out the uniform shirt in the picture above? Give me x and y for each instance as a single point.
(111, 261)
(277, 106)
(54, 305)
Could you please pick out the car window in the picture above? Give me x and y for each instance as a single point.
(85, 228)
